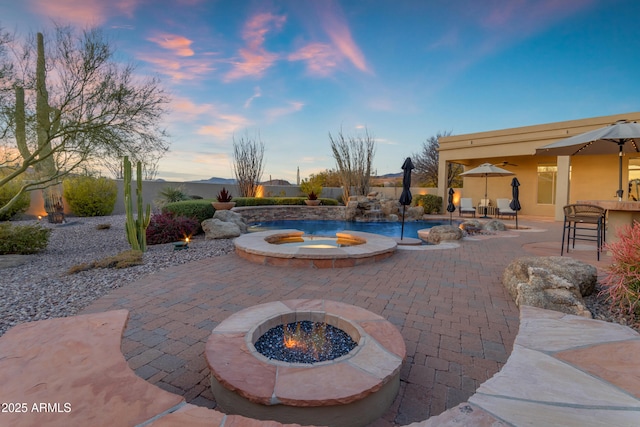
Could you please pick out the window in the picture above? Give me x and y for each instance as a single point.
(547, 174)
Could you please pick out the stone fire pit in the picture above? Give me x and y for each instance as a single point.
(352, 390)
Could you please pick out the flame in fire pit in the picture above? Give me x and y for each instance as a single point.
(314, 341)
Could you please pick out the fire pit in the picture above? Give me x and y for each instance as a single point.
(352, 389)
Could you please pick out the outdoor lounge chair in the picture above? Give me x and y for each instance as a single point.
(504, 209)
(466, 206)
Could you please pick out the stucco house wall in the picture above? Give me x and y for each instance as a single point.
(579, 177)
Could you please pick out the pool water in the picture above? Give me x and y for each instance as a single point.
(331, 227)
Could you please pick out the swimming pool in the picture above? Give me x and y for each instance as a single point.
(331, 227)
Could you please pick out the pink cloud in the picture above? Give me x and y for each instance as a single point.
(83, 12)
(254, 58)
(178, 68)
(178, 45)
(334, 23)
(224, 126)
(321, 58)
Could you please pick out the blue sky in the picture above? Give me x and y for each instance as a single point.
(293, 71)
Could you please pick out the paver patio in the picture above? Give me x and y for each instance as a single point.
(457, 320)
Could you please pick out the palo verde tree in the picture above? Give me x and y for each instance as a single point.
(426, 163)
(248, 163)
(72, 105)
(354, 157)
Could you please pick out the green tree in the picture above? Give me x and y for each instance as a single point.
(72, 105)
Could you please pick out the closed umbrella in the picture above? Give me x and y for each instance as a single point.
(620, 137)
(487, 170)
(515, 197)
(405, 197)
(450, 206)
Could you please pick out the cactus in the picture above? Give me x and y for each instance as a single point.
(136, 228)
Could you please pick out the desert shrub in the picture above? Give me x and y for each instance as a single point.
(89, 196)
(170, 194)
(23, 239)
(622, 283)
(124, 259)
(430, 203)
(197, 209)
(7, 192)
(167, 227)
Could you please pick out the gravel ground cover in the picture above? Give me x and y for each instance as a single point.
(40, 287)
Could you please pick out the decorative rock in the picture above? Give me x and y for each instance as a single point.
(443, 232)
(494, 225)
(415, 212)
(230, 216)
(217, 229)
(554, 283)
(392, 217)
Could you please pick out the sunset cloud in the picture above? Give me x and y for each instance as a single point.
(178, 68)
(83, 12)
(254, 58)
(223, 126)
(257, 93)
(178, 45)
(321, 58)
(334, 23)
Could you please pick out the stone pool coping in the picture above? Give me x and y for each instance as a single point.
(255, 247)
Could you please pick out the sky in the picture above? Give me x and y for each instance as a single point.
(291, 72)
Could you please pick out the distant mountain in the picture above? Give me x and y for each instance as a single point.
(216, 180)
(390, 175)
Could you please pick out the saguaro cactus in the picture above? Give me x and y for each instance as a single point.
(136, 228)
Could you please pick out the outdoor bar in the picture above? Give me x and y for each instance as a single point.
(618, 214)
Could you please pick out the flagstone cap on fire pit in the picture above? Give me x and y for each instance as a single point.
(237, 365)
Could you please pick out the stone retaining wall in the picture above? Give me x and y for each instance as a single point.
(253, 214)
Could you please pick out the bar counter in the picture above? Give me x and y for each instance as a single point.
(618, 214)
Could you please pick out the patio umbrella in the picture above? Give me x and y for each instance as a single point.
(620, 137)
(405, 197)
(515, 197)
(450, 206)
(486, 170)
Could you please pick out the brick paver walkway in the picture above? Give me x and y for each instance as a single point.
(457, 320)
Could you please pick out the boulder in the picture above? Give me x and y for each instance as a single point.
(392, 218)
(471, 226)
(415, 212)
(217, 229)
(494, 225)
(234, 217)
(441, 233)
(554, 283)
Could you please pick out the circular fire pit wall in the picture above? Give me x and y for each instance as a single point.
(352, 390)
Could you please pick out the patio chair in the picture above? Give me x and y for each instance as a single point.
(485, 207)
(584, 222)
(504, 209)
(466, 206)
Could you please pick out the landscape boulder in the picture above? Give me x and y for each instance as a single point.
(441, 233)
(217, 229)
(234, 217)
(553, 283)
(494, 225)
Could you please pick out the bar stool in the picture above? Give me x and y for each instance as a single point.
(580, 223)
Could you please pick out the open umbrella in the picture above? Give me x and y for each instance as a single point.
(450, 206)
(620, 137)
(487, 170)
(405, 197)
(515, 197)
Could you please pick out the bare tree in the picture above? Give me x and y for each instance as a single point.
(248, 156)
(353, 156)
(426, 163)
(73, 105)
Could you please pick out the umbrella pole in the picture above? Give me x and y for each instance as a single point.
(402, 228)
(486, 199)
(620, 191)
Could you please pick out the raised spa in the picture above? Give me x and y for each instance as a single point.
(352, 390)
(292, 248)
